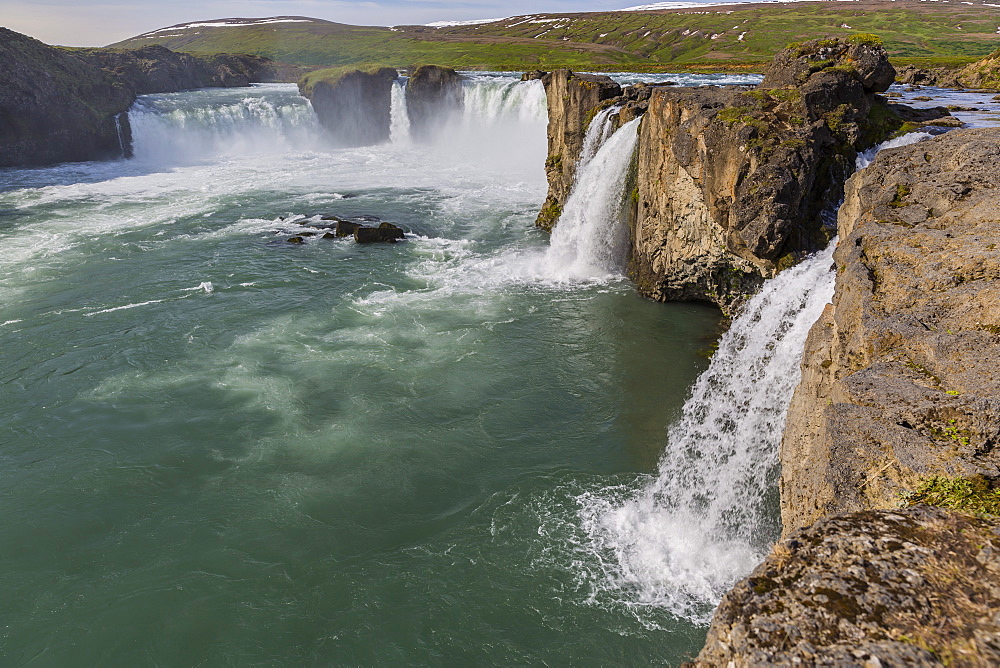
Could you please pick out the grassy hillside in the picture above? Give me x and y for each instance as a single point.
(920, 32)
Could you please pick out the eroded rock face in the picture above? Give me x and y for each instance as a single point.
(915, 587)
(433, 95)
(572, 101)
(732, 184)
(901, 374)
(353, 105)
(157, 69)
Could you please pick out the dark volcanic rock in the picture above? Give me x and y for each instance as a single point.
(156, 69)
(865, 63)
(345, 228)
(56, 106)
(915, 587)
(352, 104)
(69, 104)
(384, 232)
(433, 95)
(572, 100)
(533, 75)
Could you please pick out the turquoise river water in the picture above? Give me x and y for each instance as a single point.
(219, 448)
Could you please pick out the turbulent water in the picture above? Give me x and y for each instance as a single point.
(222, 448)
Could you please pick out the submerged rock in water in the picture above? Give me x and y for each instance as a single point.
(433, 95)
(346, 228)
(351, 103)
(295, 240)
(384, 232)
(915, 587)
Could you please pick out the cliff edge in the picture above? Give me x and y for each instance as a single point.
(901, 374)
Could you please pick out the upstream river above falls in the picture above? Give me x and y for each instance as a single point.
(221, 448)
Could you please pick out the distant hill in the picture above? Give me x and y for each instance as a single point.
(914, 31)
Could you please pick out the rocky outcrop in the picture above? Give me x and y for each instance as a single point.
(433, 95)
(982, 74)
(352, 104)
(916, 587)
(59, 105)
(733, 184)
(156, 69)
(901, 374)
(55, 106)
(572, 100)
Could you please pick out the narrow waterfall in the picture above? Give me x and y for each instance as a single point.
(591, 238)
(598, 132)
(121, 136)
(709, 515)
(399, 119)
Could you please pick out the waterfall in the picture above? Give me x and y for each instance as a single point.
(598, 132)
(211, 122)
(399, 119)
(865, 157)
(591, 238)
(121, 136)
(708, 515)
(490, 100)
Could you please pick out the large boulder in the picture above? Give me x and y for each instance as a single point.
(433, 95)
(353, 104)
(861, 56)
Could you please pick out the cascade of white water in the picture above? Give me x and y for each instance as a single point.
(598, 132)
(865, 157)
(490, 100)
(121, 136)
(591, 238)
(219, 122)
(709, 515)
(399, 119)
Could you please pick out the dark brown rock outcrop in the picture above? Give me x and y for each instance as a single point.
(733, 184)
(901, 374)
(433, 95)
(352, 104)
(572, 100)
(60, 105)
(915, 587)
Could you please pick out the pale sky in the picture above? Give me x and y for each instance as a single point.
(101, 22)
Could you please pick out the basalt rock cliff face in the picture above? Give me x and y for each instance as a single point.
(572, 100)
(900, 384)
(901, 375)
(60, 105)
(433, 95)
(352, 104)
(156, 69)
(983, 74)
(731, 184)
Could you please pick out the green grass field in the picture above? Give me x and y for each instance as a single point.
(737, 37)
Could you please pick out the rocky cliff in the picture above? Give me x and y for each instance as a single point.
(731, 183)
(901, 377)
(915, 587)
(433, 95)
(60, 105)
(982, 74)
(572, 101)
(899, 401)
(353, 104)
